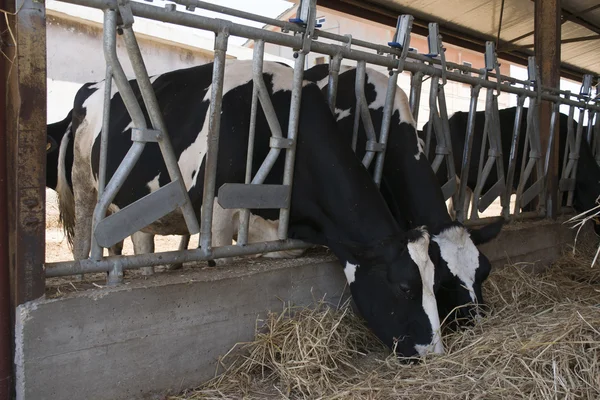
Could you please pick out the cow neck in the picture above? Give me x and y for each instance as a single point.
(332, 189)
(411, 180)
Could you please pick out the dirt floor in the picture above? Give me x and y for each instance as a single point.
(57, 248)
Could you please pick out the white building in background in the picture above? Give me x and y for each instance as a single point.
(457, 94)
(75, 54)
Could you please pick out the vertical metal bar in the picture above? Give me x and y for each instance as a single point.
(290, 154)
(547, 37)
(105, 131)
(575, 153)
(554, 120)
(257, 65)
(388, 109)
(597, 137)
(433, 115)
(334, 72)
(416, 83)
(134, 110)
(358, 91)
(466, 158)
(449, 152)
(115, 275)
(214, 124)
(156, 118)
(590, 126)
(514, 149)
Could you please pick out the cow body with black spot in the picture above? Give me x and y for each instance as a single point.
(334, 201)
(587, 182)
(413, 193)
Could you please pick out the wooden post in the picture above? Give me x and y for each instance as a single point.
(547, 54)
(26, 144)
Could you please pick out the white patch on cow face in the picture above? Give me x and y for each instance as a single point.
(341, 114)
(154, 184)
(419, 252)
(461, 255)
(350, 271)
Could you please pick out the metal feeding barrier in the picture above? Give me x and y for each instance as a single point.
(301, 34)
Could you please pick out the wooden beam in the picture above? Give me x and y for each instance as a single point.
(547, 52)
(26, 142)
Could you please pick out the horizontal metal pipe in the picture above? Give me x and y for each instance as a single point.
(215, 25)
(171, 257)
(382, 49)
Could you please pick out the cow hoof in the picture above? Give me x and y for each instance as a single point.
(220, 262)
(173, 267)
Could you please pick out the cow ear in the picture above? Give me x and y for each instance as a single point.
(485, 234)
(51, 144)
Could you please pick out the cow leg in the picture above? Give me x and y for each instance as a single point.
(85, 201)
(143, 243)
(223, 225)
(116, 249)
(183, 245)
(262, 230)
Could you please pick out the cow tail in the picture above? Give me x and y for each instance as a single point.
(66, 200)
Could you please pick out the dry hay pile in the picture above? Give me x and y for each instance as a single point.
(541, 340)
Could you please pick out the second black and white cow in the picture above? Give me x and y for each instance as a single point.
(413, 194)
(334, 200)
(587, 185)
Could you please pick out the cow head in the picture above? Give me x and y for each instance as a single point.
(392, 285)
(461, 271)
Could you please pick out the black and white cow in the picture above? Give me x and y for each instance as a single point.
(587, 185)
(413, 194)
(334, 200)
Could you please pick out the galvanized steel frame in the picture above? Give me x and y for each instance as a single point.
(304, 40)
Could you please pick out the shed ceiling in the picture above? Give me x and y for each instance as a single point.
(469, 23)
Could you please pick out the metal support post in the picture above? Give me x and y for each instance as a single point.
(461, 212)
(416, 83)
(334, 72)
(492, 134)
(214, 124)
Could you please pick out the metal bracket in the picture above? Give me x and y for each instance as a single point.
(586, 86)
(240, 195)
(434, 41)
(442, 150)
(531, 70)
(146, 135)
(401, 39)
(280, 143)
(373, 145)
(126, 13)
(139, 214)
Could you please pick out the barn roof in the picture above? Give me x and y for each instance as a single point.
(469, 23)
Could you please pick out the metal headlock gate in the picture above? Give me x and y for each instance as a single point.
(119, 16)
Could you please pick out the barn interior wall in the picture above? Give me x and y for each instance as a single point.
(75, 56)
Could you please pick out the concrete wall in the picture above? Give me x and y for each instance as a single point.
(158, 336)
(75, 56)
